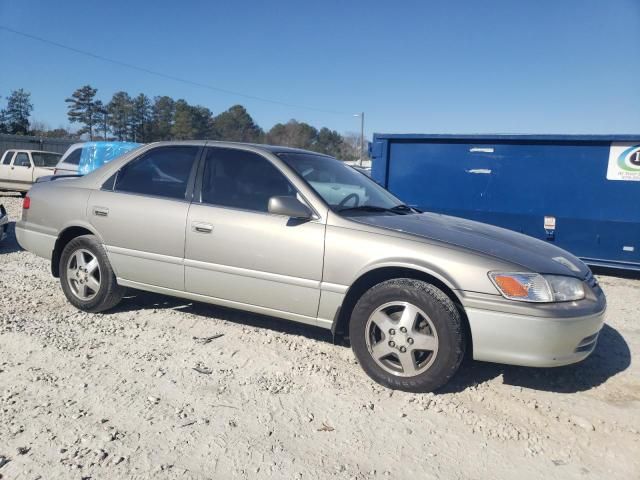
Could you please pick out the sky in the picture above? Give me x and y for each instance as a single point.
(465, 66)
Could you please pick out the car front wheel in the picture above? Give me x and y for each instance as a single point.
(87, 279)
(407, 335)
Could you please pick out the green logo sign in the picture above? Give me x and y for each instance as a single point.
(629, 160)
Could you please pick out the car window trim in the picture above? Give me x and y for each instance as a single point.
(197, 196)
(190, 180)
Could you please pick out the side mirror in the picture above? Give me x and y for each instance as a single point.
(289, 207)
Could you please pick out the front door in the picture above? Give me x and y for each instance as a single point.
(237, 251)
(141, 216)
(21, 172)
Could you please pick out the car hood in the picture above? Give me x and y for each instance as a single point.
(528, 252)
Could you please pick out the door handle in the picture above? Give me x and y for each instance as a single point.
(100, 211)
(202, 227)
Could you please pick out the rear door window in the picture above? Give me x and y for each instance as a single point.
(161, 172)
(42, 159)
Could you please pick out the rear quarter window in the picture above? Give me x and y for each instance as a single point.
(74, 157)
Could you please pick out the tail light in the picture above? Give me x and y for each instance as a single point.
(26, 203)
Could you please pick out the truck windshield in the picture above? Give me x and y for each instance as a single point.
(44, 159)
(342, 187)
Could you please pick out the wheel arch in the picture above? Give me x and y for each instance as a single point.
(64, 237)
(379, 274)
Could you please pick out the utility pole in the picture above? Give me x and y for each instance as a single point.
(361, 115)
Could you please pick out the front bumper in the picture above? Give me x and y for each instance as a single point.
(532, 341)
(536, 339)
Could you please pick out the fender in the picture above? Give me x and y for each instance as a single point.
(65, 235)
(410, 264)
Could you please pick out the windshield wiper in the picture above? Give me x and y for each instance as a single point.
(371, 208)
(404, 208)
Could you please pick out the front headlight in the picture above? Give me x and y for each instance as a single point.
(533, 287)
(565, 289)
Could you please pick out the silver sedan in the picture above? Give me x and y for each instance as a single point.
(301, 236)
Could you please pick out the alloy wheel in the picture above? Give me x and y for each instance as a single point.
(83, 274)
(401, 339)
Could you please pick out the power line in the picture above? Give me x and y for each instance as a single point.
(167, 76)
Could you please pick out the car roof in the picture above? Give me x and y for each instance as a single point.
(219, 143)
(23, 150)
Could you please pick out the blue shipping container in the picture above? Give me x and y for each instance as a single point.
(581, 192)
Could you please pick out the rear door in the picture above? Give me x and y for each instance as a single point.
(141, 215)
(237, 251)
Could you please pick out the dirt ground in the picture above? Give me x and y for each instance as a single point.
(144, 392)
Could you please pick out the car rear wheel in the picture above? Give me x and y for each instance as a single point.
(407, 335)
(86, 276)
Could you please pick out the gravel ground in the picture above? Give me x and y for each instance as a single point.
(145, 392)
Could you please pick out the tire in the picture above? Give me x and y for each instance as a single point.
(92, 288)
(434, 343)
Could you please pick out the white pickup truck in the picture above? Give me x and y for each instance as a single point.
(19, 169)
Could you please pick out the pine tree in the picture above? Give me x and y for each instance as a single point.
(16, 115)
(121, 115)
(102, 119)
(163, 117)
(82, 109)
(236, 125)
(141, 118)
(182, 128)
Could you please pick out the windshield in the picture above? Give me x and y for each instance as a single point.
(342, 187)
(44, 159)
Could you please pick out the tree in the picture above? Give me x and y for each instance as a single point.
(82, 109)
(163, 111)
(202, 119)
(236, 125)
(329, 142)
(120, 110)
(102, 119)
(293, 134)
(42, 129)
(141, 119)
(3, 122)
(16, 114)
(182, 128)
(350, 151)
(191, 122)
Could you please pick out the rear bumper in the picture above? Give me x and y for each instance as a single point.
(533, 341)
(39, 243)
